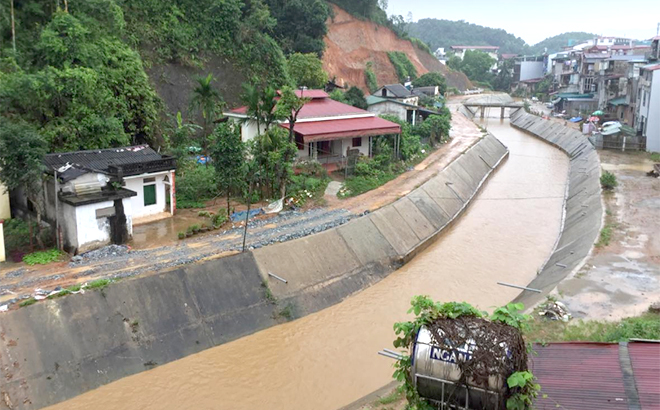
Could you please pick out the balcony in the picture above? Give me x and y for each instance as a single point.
(164, 164)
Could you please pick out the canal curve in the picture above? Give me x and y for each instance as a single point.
(328, 359)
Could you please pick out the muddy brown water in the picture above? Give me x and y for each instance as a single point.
(329, 359)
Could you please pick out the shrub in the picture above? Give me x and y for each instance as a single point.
(370, 76)
(42, 257)
(181, 234)
(17, 234)
(218, 219)
(196, 185)
(608, 181)
(404, 68)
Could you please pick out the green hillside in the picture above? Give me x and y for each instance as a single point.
(446, 33)
(556, 43)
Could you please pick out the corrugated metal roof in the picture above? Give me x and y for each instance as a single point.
(476, 47)
(100, 160)
(338, 129)
(579, 376)
(399, 90)
(645, 358)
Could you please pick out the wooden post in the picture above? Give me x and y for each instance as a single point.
(502, 113)
(483, 109)
(57, 213)
(247, 215)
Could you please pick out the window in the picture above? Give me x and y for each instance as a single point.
(357, 142)
(149, 180)
(149, 195)
(384, 92)
(300, 143)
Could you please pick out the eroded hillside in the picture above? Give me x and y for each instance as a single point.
(352, 43)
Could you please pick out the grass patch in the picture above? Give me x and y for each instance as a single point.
(646, 326)
(185, 204)
(605, 235)
(608, 181)
(354, 186)
(268, 294)
(28, 302)
(393, 397)
(655, 156)
(98, 284)
(287, 312)
(63, 292)
(42, 257)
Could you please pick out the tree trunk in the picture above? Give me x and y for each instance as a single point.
(247, 215)
(292, 140)
(13, 27)
(228, 204)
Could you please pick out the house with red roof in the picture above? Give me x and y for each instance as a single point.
(326, 129)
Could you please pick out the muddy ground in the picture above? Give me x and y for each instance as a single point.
(621, 278)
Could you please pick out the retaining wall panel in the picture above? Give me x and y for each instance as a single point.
(429, 208)
(415, 218)
(366, 241)
(395, 229)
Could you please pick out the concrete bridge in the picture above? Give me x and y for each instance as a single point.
(501, 101)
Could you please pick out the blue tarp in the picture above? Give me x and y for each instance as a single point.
(240, 216)
(576, 119)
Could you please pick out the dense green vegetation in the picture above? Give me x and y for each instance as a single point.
(370, 76)
(403, 66)
(556, 43)
(445, 33)
(384, 166)
(307, 70)
(475, 64)
(431, 80)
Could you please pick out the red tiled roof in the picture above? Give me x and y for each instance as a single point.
(346, 128)
(645, 358)
(508, 56)
(320, 106)
(312, 94)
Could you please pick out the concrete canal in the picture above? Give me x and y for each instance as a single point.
(328, 359)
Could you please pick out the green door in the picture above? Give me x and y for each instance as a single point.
(149, 195)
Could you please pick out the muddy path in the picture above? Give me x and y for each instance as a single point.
(622, 277)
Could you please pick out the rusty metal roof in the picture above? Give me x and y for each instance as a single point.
(645, 358)
(594, 376)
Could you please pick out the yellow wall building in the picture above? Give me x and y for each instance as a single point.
(5, 212)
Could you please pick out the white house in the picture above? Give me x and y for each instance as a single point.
(95, 197)
(5, 212)
(325, 129)
(648, 100)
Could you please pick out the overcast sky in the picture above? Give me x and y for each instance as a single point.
(535, 20)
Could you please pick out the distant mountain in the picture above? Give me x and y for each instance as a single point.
(446, 33)
(556, 43)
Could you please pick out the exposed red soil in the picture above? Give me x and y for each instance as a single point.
(352, 43)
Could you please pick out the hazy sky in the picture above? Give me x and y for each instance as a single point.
(535, 20)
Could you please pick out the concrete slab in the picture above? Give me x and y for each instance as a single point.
(429, 208)
(395, 229)
(422, 227)
(366, 241)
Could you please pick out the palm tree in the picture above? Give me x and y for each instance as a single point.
(206, 101)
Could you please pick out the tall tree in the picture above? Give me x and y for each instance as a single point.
(229, 161)
(306, 70)
(21, 161)
(290, 106)
(261, 105)
(207, 102)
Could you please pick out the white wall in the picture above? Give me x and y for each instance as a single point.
(348, 143)
(136, 184)
(530, 70)
(653, 120)
(389, 108)
(92, 232)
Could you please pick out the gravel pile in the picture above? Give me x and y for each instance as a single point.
(100, 254)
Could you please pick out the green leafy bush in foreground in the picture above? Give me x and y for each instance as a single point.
(42, 257)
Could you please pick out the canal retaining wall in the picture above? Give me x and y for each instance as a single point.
(60, 348)
(583, 210)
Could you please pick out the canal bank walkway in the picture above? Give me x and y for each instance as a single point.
(18, 281)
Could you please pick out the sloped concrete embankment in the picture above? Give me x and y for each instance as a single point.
(60, 348)
(323, 269)
(583, 210)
